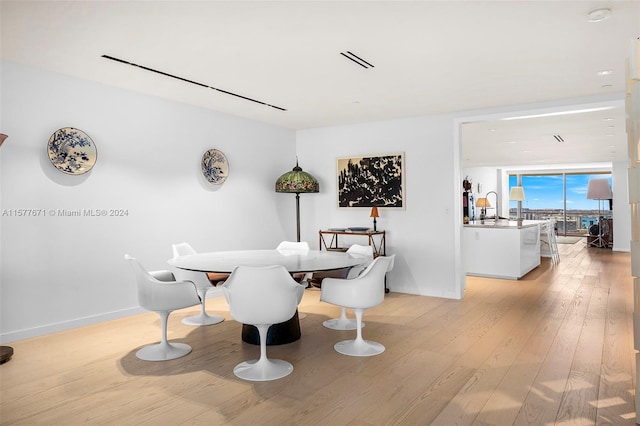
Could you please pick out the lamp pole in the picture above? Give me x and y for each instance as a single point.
(298, 216)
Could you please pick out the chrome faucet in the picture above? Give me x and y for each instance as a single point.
(497, 206)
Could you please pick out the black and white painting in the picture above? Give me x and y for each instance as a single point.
(371, 181)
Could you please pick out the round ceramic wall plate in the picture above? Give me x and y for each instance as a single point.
(215, 166)
(71, 151)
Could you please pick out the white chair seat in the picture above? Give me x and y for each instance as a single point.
(359, 293)
(203, 285)
(159, 291)
(262, 296)
(293, 247)
(344, 323)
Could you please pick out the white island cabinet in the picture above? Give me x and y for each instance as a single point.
(506, 250)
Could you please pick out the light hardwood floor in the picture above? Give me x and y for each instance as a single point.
(554, 347)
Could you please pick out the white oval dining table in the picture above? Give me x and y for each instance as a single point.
(294, 261)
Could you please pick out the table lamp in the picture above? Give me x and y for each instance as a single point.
(517, 194)
(483, 203)
(374, 215)
(297, 181)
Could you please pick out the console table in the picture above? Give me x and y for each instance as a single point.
(376, 239)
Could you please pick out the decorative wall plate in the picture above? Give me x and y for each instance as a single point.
(72, 151)
(215, 166)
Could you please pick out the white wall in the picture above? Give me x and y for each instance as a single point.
(59, 272)
(422, 234)
(486, 177)
(621, 207)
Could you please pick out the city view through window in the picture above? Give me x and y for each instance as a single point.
(562, 197)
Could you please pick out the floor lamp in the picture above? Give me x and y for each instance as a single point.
(599, 189)
(297, 181)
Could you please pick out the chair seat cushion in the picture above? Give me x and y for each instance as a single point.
(217, 278)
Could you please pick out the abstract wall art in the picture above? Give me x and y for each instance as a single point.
(374, 180)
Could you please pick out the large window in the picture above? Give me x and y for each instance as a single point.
(562, 197)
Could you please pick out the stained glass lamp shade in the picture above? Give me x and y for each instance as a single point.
(297, 181)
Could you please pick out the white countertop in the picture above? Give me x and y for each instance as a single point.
(503, 223)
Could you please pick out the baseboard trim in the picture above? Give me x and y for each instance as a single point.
(28, 333)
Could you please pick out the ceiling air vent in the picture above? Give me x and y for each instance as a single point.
(355, 58)
(558, 138)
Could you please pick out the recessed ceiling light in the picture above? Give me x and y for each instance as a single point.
(608, 119)
(598, 15)
(604, 72)
(604, 86)
(492, 130)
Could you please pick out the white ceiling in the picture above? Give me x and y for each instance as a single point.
(428, 57)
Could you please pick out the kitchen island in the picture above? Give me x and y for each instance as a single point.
(506, 250)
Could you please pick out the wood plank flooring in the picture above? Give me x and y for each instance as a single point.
(555, 347)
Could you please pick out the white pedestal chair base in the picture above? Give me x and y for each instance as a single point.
(360, 293)
(359, 348)
(262, 296)
(263, 370)
(342, 323)
(203, 319)
(163, 351)
(159, 291)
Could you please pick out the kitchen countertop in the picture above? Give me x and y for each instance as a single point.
(503, 223)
